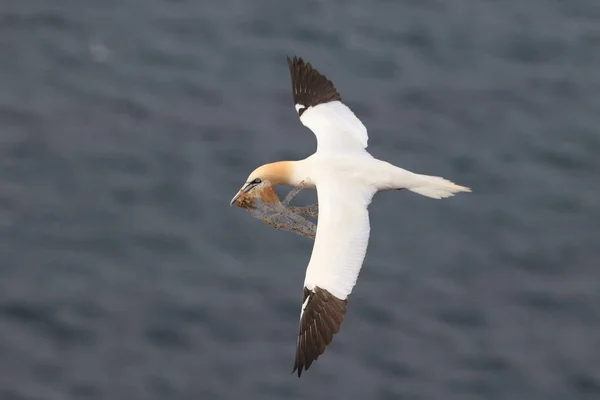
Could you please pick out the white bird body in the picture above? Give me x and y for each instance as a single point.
(346, 177)
(346, 183)
(363, 169)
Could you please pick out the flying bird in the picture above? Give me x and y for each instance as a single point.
(346, 177)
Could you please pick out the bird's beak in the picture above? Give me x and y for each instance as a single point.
(238, 194)
(245, 189)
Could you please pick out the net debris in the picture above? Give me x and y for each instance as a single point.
(263, 203)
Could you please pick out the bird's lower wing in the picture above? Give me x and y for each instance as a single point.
(338, 253)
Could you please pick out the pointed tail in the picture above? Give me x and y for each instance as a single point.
(436, 187)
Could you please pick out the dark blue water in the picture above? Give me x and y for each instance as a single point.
(126, 127)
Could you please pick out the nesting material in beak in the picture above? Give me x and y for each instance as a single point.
(245, 189)
(263, 203)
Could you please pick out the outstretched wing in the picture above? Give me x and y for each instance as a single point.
(320, 108)
(340, 246)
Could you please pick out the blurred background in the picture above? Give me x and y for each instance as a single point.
(127, 126)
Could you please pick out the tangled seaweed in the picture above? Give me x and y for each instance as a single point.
(263, 203)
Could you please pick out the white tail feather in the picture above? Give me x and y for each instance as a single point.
(436, 187)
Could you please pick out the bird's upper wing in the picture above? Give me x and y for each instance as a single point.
(337, 257)
(320, 108)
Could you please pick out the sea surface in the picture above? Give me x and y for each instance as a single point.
(127, 126)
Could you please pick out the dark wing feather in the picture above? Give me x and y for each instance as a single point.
(309, 87)
(321, 319)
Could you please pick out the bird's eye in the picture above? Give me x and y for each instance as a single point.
(257, 181)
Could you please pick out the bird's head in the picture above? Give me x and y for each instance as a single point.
(277, 173)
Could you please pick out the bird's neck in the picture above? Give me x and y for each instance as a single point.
(291, 173)
(298, 173)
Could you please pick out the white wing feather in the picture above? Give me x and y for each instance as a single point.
(342, 236)
(336, 127)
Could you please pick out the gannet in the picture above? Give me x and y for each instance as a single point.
(346, 177)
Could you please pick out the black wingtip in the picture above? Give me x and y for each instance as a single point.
(310, 87)
(296, 64)
(322, 316)
(298, 368)
(293, 60)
